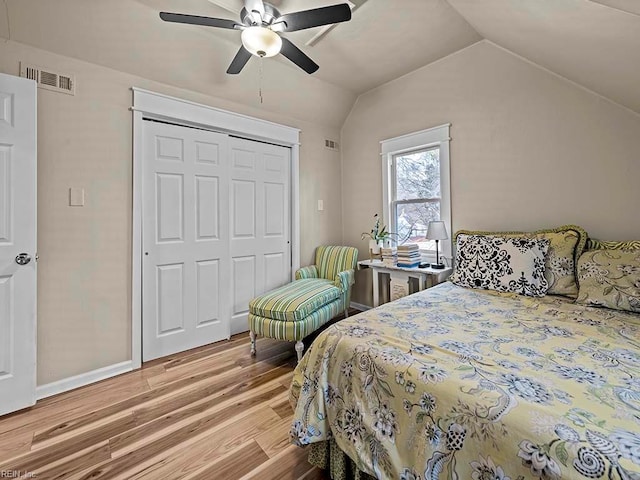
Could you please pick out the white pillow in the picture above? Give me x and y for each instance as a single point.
(511, 264)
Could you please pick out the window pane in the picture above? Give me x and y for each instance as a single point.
(418, 175)
(412, 220)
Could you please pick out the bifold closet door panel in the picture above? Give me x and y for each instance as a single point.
(260, 223)
(185, 258)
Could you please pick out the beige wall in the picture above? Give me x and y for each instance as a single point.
(84, 286)
(529, 149)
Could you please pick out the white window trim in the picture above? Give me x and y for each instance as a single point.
(432, 137)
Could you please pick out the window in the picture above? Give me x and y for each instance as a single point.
(416, 186)
(416, 195)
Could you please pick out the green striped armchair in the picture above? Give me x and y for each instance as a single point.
(319, 293)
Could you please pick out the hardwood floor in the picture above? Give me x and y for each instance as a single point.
(210, 413)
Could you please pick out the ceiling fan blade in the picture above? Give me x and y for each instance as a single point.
(197, 20)
(315, 17)
(239, 61)
(297, 56)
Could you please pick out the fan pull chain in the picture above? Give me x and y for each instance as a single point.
(261, 77)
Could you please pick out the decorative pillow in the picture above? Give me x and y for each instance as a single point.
(567, 244)
(505, 264)
(593, 244)
(610, 278)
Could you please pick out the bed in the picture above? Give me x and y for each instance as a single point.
(454, 383)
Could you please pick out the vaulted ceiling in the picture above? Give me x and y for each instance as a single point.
(593, 43)
(589, 42)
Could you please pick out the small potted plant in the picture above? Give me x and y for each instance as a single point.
(378, 237)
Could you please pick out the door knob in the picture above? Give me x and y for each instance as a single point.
(23, 259)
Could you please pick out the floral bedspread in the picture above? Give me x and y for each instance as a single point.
(467, 384)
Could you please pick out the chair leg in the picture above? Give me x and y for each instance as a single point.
(346, 313)
(252, 335)
(299, 349)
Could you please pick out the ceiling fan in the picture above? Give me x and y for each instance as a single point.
(261, 24)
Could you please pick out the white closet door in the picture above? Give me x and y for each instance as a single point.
(260, 223)
(17, 243)
(186, 289)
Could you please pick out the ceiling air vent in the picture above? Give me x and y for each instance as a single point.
(331, 145)
(49, 79)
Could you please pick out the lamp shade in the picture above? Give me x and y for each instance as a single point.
(436, 231)
(261, 41)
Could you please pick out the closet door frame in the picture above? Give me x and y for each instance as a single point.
(157, 106)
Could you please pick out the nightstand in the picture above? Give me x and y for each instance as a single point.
(400, 277)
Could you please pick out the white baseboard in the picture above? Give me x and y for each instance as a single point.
(77, 381)
(360, 306)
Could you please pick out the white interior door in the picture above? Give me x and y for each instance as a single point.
(260, 223)
(17, 243)
(185, 241)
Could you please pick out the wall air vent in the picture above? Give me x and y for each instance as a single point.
(49, 79)
(331, 145)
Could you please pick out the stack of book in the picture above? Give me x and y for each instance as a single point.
(408, 255)
(389, 256)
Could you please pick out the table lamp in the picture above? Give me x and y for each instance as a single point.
(437, 231)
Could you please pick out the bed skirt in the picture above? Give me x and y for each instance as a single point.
(328, 456)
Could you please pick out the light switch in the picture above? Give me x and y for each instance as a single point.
(320, 205)
(76, 197)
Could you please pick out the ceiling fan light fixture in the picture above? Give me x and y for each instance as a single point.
(261, 22)
(261, 41)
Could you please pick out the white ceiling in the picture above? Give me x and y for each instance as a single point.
(587, 42)
(385, 40)
(594, 43)
(629, 6)
(128, 36)
(381, 42)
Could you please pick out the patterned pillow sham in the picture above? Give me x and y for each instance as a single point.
(504, 264)
(593, 244)
(567, 244)
(610, 278)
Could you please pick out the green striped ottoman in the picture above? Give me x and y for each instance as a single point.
(294, 311)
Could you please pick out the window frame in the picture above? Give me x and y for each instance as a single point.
(437, 137)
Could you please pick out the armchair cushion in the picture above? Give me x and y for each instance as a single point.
(331, 260)
(307, 272)
(344, 280)
(295, 301)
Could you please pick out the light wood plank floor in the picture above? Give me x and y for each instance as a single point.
(210, 413)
